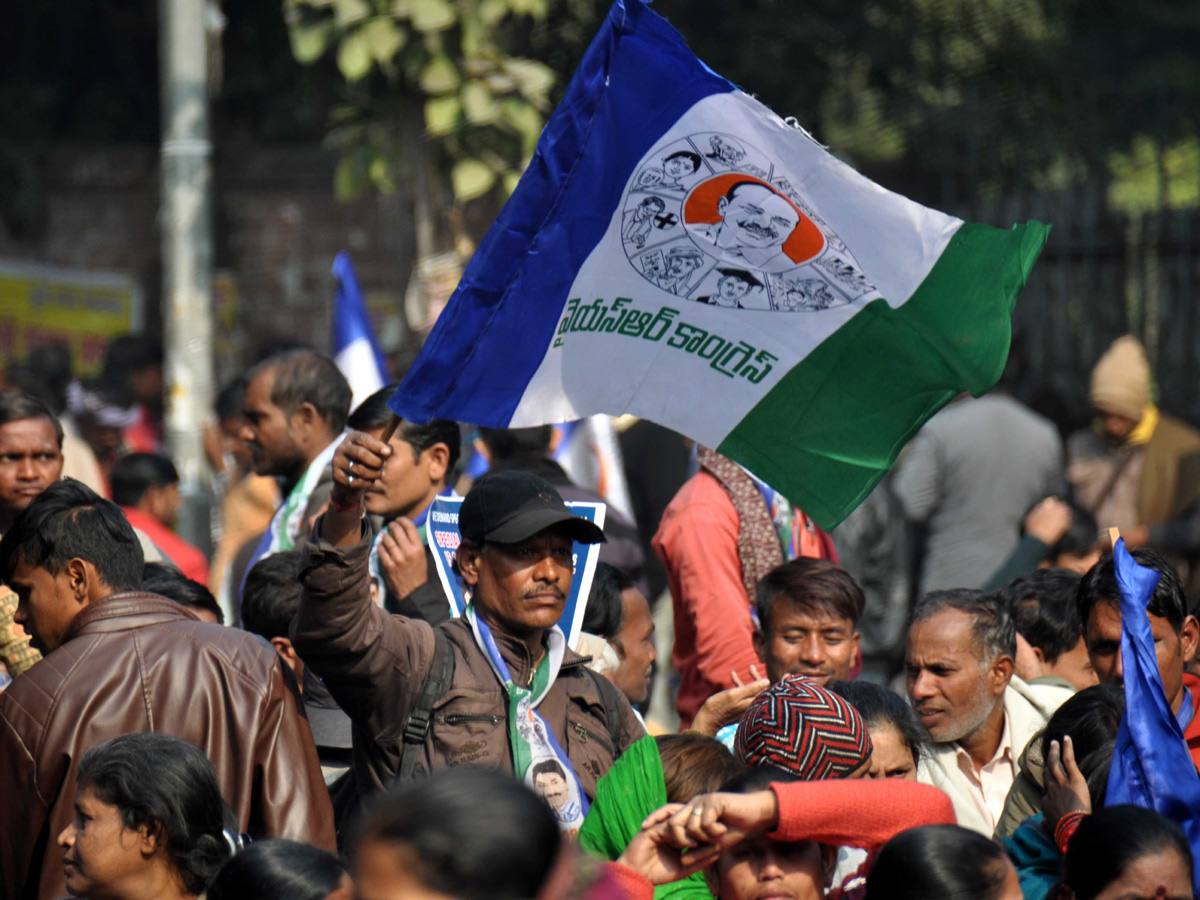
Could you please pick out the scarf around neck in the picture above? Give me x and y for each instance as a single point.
(536, 752)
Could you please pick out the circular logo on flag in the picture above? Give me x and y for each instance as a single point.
(712, 219)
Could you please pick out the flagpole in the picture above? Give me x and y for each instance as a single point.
(390, 428)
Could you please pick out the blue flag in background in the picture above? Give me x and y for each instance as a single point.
(355, 349)
(1152, 766)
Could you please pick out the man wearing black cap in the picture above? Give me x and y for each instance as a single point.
(517, 695)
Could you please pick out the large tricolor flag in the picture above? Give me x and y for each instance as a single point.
(677, 251)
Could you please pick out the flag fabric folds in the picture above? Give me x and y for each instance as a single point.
(355, 349)
(1152, 766)
(677, 251)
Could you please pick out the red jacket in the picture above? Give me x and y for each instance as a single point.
(191, 562)
(697, 541)
(857, 812)
(1192, 734)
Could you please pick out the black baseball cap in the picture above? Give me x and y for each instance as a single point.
(508, 507)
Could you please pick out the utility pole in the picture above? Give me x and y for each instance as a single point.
(186, 221)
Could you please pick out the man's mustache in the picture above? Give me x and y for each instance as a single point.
(545, 589)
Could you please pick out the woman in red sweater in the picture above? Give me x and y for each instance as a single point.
(773, 842)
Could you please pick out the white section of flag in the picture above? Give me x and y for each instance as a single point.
(356, 361)
(892, 240)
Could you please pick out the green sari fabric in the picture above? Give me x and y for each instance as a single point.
(633, 788)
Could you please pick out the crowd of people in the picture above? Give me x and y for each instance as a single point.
(923, 704)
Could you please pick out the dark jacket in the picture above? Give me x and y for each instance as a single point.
(138, 662)
(374, 664)
(428, 602)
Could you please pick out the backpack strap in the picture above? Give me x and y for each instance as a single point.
(612, 708)
(437, 682)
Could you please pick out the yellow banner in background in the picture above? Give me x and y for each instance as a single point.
(47, 305)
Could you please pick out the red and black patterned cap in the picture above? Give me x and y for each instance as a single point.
(799, 726)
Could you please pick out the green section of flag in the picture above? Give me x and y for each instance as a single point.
(831, 428)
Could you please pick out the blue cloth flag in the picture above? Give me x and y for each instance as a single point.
(1152, 766)
(355, 349)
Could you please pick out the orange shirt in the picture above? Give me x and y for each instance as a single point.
(697, 542)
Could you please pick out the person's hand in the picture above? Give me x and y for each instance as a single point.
(402, 558)
(1048, 521)
(727, 707)
(1066, 788)
(723, 819)
(357, 463)
(653, 854)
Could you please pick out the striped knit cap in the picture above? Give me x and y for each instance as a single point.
(799, 726)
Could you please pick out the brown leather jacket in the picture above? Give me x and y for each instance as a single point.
(374, 664)
(138, 662)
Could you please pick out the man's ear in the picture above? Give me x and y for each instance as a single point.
(760, 644)
(305, 419)
(84, 582)
(1000, 673)
(468, 563)
(1189, 636)
(1037, 651)
(828, 863)
(722, 205)
(437, 461)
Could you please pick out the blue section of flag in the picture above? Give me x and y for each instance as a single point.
(1152, 766)
(350, 320)
(635, 81)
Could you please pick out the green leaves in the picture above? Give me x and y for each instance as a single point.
(471, 178)
(483, 106)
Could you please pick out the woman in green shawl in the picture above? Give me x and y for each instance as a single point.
(671, 768)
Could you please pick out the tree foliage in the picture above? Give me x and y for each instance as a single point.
(481, 101)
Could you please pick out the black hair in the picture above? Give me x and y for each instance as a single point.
(757, 778)
(993, 630)
(135, 473)
(271, 594)
(1091, 718)
(475, 834)
(815, 585)
(1043, 606)
(603, 614)
(547, 767)
(747, 182)
(1110, 839)
(694, 763)
(278, 869)
(374, 413)
(938, 861)
(1099, 585)
(169, 786)
(130, 353)
(169, 582)
(686, 154)
(230, 400)
(16, 405)
(879, 706)
(51, 363)
(1081, 536)
(302, 376)
(741, 275)
(513, 443)
(69, 520)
